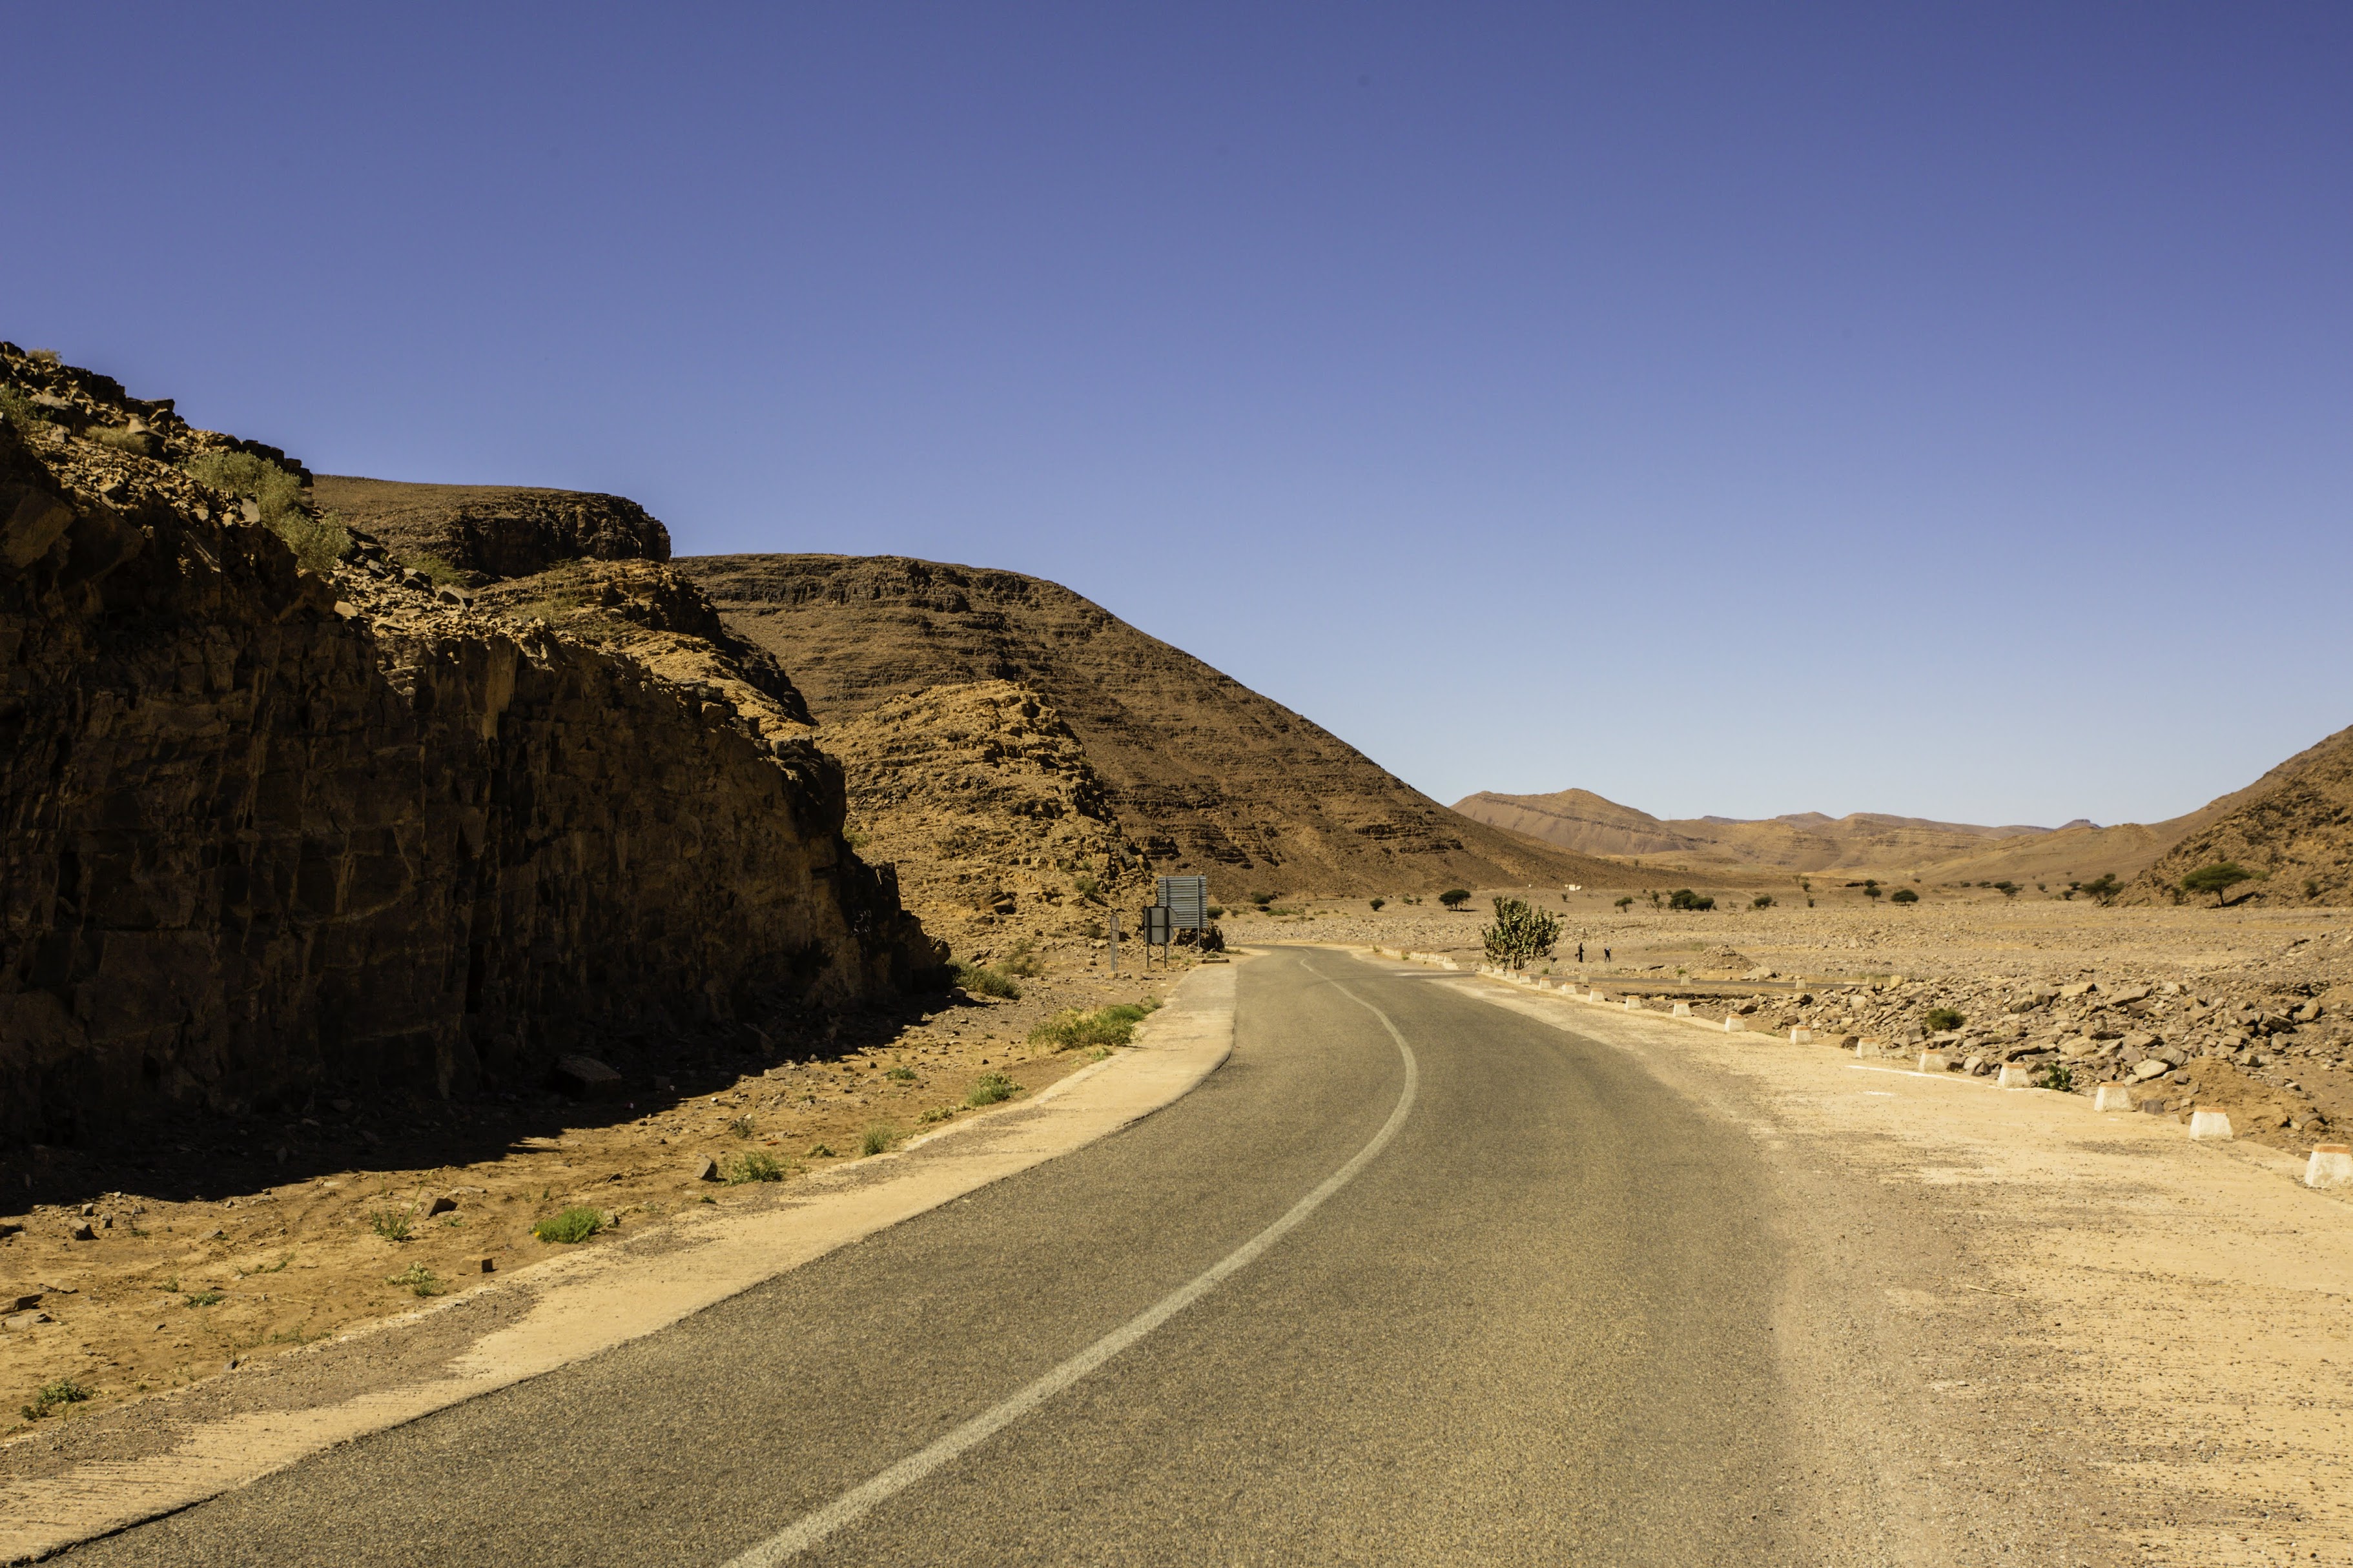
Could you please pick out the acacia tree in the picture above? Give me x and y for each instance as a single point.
(2217, 879)
(1521, 934)
(1455, 897)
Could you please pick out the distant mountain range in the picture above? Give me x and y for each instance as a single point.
(2295, 823)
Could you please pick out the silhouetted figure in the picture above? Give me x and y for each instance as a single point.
(1605, 955)
(1581, 952)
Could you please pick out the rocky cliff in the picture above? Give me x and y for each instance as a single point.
(495, 530)
(1206, 775)
(2293, 827)
(269, 830)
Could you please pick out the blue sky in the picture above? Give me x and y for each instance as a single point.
(1938, 409)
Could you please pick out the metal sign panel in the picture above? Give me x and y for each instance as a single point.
(1158, 926)
(1186, 899)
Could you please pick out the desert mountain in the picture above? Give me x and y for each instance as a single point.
(1203, 773)
(2294, 827)
(2294, 835)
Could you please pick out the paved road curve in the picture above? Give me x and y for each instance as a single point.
(1530, 1326)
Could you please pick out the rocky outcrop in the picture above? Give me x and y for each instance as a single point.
(264, 831)
(987, 804)
(495, 530)
(1206, 775)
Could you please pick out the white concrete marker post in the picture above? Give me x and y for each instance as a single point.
(2209, 1124)
(1933, 1061)
(1801, 1036)
(2331, 1165)
(1634, 1003)
(1731, 1024)
(1682, 1009)
(2112, 1097)
(2017, 1078)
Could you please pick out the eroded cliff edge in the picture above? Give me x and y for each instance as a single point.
(269, 830)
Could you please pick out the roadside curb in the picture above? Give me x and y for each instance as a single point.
(572, 1308)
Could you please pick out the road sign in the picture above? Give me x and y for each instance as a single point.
(1158, 926)
(1187, 899)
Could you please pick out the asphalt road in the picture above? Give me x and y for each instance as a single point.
(1534, 1325)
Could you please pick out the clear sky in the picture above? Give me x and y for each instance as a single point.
(1935, 409)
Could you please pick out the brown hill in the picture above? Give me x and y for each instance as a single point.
(2294, 826)
(1205, 774)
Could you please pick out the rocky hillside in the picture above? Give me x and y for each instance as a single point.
(1205, 774)
(273, 828)
(495, 530)
(985, 801)
(2293, 827)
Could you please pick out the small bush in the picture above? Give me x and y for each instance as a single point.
(1214, 912)
(419, 1279)
(65, 1391)
(1943, 1020)
(318, 539)
(1022, 959)
(20, 410)
(992, 1089)
(1871, 890)
(1455, 897)
(981, 980)
(753, 1165)
(821, 1152)
(901, 1075)
(937, 1113)
(1521, 934)
(2006, 890)
(1377, 903)
(1684, 899)
(576, 1223)
(1627, 902)
(854, 839)
(134, 442)
(2058, 1076)
(1089, 887)
(206, 1298)
(1112, 1025)
(1905, 896)
(389, 1224)
(2104, 887)
(1761, 902)
(877, 1139)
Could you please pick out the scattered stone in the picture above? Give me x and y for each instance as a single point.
(17, 1322)
(83, 1231)
(440, 1202)
(706, 1169)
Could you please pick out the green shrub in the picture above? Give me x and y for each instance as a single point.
(1455, 897)
(1761, 902)
(419, 1279)
(901, 1075)
(1022, 959)
(206, 1298)
(1684, 899)
(1626, 903)
(983, 981)
(63, 1391)
(389, 1224)
(937, 1113)
(1905, 896)
(753, 1165)
(2217, 879)
(821, 1152)
(318, 539)
(2104, 887)
(1112, 1025)
(576, 1223)
(2058, 1076)
(1944, 1020)
(20, 410)
(877, 1139)
(992, 1089)
(2006, 890)
(1521, 934)
(1214, 912)
(1377, 903)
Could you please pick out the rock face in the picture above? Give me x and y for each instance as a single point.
(495, 530)
(2296, 833)
(985, 801)
(266, 831)
(1208, 776)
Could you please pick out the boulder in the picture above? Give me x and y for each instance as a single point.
(586, 1078)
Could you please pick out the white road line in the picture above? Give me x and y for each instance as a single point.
(854, 1505)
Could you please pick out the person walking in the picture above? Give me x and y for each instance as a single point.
(1605, 955)
(1581, 952)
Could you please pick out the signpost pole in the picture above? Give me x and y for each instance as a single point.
(1114, 942)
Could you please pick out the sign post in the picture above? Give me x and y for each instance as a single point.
(1114, 942)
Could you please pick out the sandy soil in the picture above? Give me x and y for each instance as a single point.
(213, 1248)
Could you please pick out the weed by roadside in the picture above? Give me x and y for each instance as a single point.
(877, 1139)
(206, 1298)
(1022, 959)
(576, 1223)
(983, 981)
(1112, 1025)
(820, 1152)
(992, 1089)
(65, 1391)
(390, 1225)
(419, 1280)
(753, 1165)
